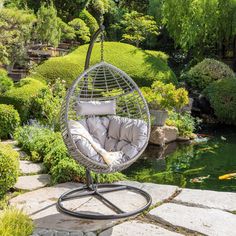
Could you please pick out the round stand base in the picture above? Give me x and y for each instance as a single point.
(97, 191)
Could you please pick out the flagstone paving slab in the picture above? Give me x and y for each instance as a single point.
(211, 199)
(212, 222)
(28, 167)
(32, 182)
(137, 228)
(158, 192)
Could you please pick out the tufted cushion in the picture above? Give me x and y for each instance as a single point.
(113, 133)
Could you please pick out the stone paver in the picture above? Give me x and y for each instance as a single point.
(212, 199)
(158, 192)
(32, 182)
(9, 141)
(210, 222)
(137, 228)
(28, 167)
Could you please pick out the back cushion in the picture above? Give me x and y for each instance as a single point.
(96, 108)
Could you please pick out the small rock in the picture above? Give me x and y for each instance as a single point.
(62, 233)
(135, 228)
(9, 141)
(161, 135)
(76, 233)
(28, 167)
(32, 182)
(90, 234)
(210, 222)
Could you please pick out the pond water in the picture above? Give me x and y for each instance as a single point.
(196, 165)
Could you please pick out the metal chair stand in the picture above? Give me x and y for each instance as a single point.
(97, 191)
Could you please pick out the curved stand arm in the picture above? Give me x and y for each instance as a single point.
(93, 40)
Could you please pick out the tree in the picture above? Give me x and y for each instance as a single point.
(67, 32)
(67, 9)
(81, 30)
(48, 30)
(15, 34)
(137, 27)
(198, 25)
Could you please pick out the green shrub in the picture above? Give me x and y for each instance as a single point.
(222, 97)
(89, 20)
(37, 141)
(14, 222)
(165, 96)
(185, 123)
(143, 66)
(9, 120)
(47, 105)
(206, 72)
(21, 96)
(6, 83)
(9, 168)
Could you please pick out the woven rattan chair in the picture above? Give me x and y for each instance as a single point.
(102, 82)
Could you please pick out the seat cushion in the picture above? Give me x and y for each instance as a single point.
(113, 133)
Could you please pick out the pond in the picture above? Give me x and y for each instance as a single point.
(196, 165)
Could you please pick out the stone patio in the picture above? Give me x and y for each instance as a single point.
(173, 212)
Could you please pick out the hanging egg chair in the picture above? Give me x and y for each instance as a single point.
(105, 125)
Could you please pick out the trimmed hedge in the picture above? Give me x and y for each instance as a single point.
(222, 97)
(21, 96)
(143, 66)
(9, 120)
(206, 72)
(9, 168)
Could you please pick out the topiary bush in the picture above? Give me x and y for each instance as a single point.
(206, 72)
(9, 120)
(222, 97)
(21, 96)
(143, 66)
(9, 168)
(15, 222)
(6, 82)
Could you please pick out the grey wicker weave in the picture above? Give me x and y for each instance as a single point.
(103, 82)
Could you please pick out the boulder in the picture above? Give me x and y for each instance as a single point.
(161, 135)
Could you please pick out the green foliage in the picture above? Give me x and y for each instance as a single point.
(66, 170)
(137, 27)
(81, 30)
(15, 222)
(47, 104)
(9, 120)
(89, 20)
(48, 29)
(21, 96)
(206, 72)
(15, 29)
(36, 141)
(199, 24)
(67, 32)
(9, 168)
(165, 96)
(185, 123)
(143, 66)
(6, 82)
(222, 97)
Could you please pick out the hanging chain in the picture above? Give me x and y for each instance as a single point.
(102, 45)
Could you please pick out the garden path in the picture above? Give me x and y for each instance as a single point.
(174, 212)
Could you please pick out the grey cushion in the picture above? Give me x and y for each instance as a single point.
(96, 107)
(113, 133)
